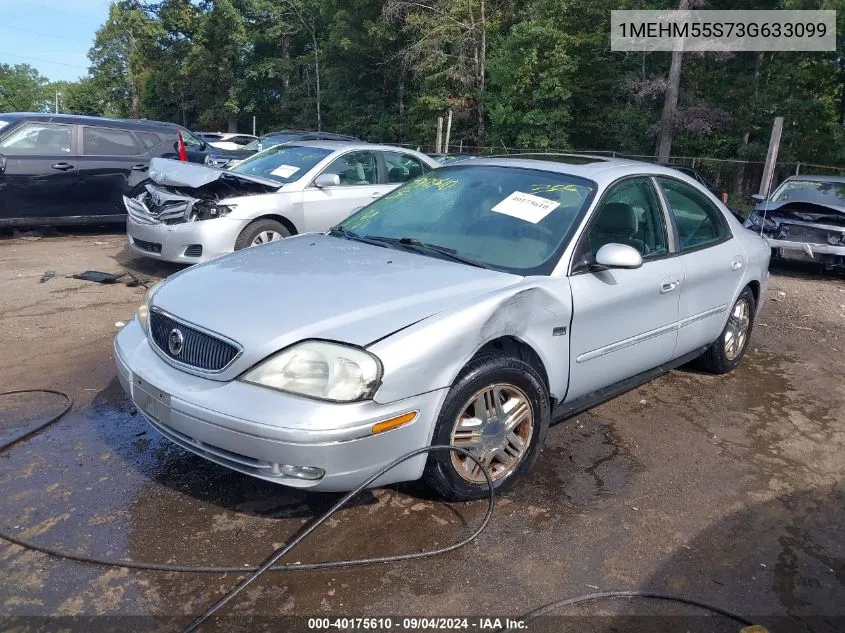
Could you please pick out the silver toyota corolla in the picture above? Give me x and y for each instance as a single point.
(191, 213)
(472, 306)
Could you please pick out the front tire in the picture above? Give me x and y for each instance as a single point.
(726, 352)
(261, 232)
(499, 410)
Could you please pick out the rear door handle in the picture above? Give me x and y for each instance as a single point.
(376, 194)
(62, 166)
(139, 167)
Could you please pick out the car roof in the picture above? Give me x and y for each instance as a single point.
(599, 169)
(817, 178)
(78, 119)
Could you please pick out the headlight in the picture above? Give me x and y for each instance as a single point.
(757, 221)
(322, 370)
(143, 313)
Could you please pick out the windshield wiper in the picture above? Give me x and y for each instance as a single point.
(352, 235)
(419, 245)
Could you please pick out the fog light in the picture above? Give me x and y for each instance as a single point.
(303, 472)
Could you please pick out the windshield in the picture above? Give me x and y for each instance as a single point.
(822, 192)
(269, 140)
(189, 139)
(282, 163)
(512, 219)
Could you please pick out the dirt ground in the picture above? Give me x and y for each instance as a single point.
(728, 490)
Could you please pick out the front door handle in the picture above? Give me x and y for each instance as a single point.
(62, 166)
(141, 167)
(669, 284)
(737, 262)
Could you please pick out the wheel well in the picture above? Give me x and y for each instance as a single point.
(512, 346)
(755, 290)
(280, 219)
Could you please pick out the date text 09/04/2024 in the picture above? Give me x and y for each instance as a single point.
(415, 624)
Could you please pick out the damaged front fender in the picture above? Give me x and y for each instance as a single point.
(431, 353)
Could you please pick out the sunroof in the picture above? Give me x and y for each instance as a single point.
(568, 159)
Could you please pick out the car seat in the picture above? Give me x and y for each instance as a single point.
(617, 224)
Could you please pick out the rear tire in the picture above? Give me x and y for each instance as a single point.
(727, 351)
(260, 232)
(498, 408)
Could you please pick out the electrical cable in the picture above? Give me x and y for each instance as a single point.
(269, 563)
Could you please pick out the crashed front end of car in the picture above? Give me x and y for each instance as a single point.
(802, 231)
(177, 217)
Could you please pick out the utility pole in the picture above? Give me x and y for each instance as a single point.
(448, 133)
(438, 143)
(58, 94)
(771, 157)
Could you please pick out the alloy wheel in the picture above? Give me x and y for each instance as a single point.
(496, 425)
(266, 236)
(736, 332)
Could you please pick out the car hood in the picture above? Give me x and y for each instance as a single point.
(806, 211)
(174, 173)
(317, 286)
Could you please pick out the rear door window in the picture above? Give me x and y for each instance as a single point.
(402, 167)
(698, 220)
(103, 141)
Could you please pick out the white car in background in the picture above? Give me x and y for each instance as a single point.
(191, 213)
(227, 140)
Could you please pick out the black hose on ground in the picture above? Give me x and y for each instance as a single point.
(43, 425)
(269, 563)
(617, 595)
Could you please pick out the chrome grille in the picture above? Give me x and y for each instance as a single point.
(198, 349)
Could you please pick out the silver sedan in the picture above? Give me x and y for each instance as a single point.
(472, 306)
(191, 213)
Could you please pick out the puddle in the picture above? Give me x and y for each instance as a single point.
(101, 482)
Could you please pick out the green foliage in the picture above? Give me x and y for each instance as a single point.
(21, 89)
(519, 73)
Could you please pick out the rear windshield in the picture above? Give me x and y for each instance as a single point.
(822, 192)
(282, 163)
(269, 140)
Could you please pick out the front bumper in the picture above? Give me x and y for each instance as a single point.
(184, 243)
(249, 428)
(808, 248)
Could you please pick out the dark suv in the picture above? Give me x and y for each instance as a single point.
(66, 169)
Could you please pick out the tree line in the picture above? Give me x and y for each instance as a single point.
(515, 73)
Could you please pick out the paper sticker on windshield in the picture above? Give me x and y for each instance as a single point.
(285, 171)
(526, 207)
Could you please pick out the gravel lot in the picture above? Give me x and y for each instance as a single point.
(724, 489)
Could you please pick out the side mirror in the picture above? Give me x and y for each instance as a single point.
(619, 256)
(757, 198)
(2, 163)
(326, 180)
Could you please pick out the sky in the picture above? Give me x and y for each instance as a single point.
(51, 35)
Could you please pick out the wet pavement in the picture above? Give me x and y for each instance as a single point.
(724, 523)
(729, 490)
